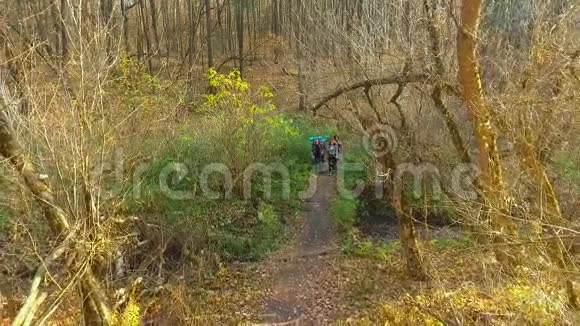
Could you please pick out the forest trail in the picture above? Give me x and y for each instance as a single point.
(304, 276)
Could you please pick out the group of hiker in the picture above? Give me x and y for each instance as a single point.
(324, 150)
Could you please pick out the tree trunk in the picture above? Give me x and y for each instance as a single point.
(106, 12)
(208, 33)
(240, 30)
(550, 213)
(15, 74)
(145, 26)
(275, 12)
(248, 23)
(98, 311)
(411, 250)
(153, 9)
(491, 177)
(299, 36)
(192, 49)
(437, 93)
(63, 33)
(125, 15)
(394, 195)
(229, 28)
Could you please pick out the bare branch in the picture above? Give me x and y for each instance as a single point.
(55, 216)
(35, 297)
(372, 104)
(395, 79)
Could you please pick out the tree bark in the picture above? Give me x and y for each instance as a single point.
(550, 214)
(299, 36)
(63, 33)
(437, 93)
(153, 8)
(125, 14)
(208, 33)
(145, 27)
(393, 194)
(275, 20)
(413, 256)
(240, 30)
(106, 11)
(229, 23)
(491, 177)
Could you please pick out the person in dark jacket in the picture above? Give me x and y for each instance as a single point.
(317, 153)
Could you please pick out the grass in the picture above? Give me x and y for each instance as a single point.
(381, 251)
(354, 168)
(344, 211)
(236, 228)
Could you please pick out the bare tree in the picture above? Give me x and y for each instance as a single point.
(97, 309)
(491, 180)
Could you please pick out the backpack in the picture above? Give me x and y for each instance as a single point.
(333, 151)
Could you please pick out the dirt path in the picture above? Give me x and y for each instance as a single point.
(303, 288)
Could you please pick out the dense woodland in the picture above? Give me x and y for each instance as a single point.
(155, 162)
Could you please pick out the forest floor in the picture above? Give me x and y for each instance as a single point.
(316, 280)
(311, 283)
(304, 278)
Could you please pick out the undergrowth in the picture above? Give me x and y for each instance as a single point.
(198, 184)
(512, 303)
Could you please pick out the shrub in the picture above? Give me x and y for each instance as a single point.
(236, 126)
(343, 211)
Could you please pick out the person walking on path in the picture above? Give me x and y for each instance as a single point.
(317, 154)
(333, 150)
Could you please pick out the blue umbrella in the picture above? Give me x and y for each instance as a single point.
(320, 138)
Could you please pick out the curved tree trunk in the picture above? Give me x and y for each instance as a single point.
(387, 169)
(98, 311)
(491, 177)
(413, 256)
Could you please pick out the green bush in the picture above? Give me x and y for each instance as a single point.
(343, 211)
(356, 154)
(235, 127)
(249, 244)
